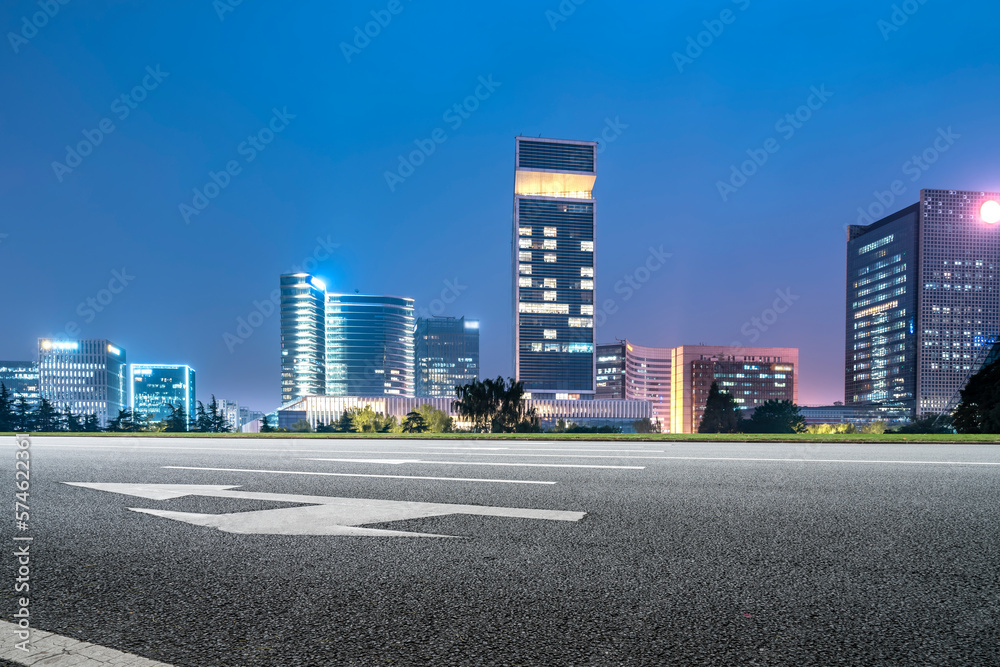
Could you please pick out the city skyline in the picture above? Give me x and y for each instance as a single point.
(334, 188)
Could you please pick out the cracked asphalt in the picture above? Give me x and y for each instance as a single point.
(713, 554)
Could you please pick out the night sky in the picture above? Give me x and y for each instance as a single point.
(217, 82)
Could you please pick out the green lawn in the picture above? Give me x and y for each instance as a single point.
(664, 437)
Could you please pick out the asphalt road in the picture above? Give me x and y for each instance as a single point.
(700, 554)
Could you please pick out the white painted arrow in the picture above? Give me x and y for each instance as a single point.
(323, 516)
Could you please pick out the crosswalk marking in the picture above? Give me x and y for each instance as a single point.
(46, 648)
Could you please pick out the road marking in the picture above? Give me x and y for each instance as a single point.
(46, 648)
(322, 516)
(718, 458)
(541, 449)
(354, 474)
(480, 463)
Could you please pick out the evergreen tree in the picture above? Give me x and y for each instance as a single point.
(979, 410)
(24, 420)
(48, 418)
(6, 410)
(775, 417)
(346, 422)
(90, 424)
(177, 420)
(121, 423)
(73, 423)
(414, 422)
(720, 413)
(202, 423)
(265, 425)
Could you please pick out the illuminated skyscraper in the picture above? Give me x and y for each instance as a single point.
(21, 380)
(369, 345)
(923, 301)
(155, 387)
(553, 267)
(447, 355)
(84, 376)
(303, 336)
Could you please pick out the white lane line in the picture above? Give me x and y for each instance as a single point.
(543, 449)
(46, 648)
(719, 458)
(480, 463)
(346, 474)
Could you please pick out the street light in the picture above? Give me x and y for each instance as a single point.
(991, 212)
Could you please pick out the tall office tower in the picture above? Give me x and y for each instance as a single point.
(85, 376)
(752, 375)
(231, 411)
(21, 380)
(155, 387)
(303, 337)
(923, 301)
(553, 267)
(369, 345)
(447, 355)
(636, 373)
(611, 371)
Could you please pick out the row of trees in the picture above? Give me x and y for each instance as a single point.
(425, 419)
(17, 415)
(722, 416)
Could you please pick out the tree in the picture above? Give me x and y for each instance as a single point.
(120, 423)
(438, 421)
(302, 426)
(645, 425)
(720, 412)
(775, 417)
(979, 409)
(366, 420)
(928, 424)
(345, 424)
(202, 422)
(177, 420)
(24, 420)
(48, 419)
(265, 425)
(216, 421)
(414, 422)
(73, 423)
(495, 406)
(6, 410)
(90, 424)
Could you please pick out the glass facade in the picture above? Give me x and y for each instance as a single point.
(647, 378)
(553, 267)
(369, 345)
(923, 302)
(21, 380)
(84, 376)
(882, 265)
(611, 371)
(155, 387)
(447, 355)
(303, 336)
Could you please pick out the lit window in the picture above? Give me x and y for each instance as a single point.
(525, 269)
(549, 244)
(550, 231)
(552, 347)
(524, 231)
(544, 308)
(587, 246)
(524, 281)
(550, 334)
(524, 256)
(587, 309)
(536, 347)
(586, 272)
(587, 284)
(551, 296)
(549, 283)
(524, 243)
(550, 257)
(581, 322)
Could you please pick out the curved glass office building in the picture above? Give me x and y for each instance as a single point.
(369, 345)
(303, 336)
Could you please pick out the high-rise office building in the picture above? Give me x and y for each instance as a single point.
(303, 336)
(369, 345)
(21, 380)
(636, 373)
(923, 301)
(156, 387)
(752, 375)
(553, 267)
(447, 355)
(85, 376)
(231, 411)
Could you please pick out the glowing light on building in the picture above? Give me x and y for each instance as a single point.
(991, 212)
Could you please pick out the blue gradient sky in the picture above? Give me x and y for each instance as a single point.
(323, 176)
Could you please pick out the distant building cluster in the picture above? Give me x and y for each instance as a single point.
(922, 306)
